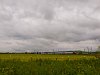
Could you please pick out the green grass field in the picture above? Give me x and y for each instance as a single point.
(37, 64)
(26, 57)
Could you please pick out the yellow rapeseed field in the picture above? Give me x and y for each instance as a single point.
(26, 57)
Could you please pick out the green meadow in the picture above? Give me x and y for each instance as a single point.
(27, 57)
(48, 64)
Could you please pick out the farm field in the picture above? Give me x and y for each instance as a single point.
(37, 64)
(27, 57)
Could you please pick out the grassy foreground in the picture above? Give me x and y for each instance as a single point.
(15, 66)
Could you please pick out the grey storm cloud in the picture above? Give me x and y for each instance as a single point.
(29, 24)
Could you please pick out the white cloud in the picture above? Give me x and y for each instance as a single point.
(29, 24)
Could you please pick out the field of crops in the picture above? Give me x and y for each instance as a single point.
(27, 57)
(35, 64)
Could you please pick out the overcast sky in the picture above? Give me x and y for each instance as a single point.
(31, 24)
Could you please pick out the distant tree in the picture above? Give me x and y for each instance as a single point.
(78, 52)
